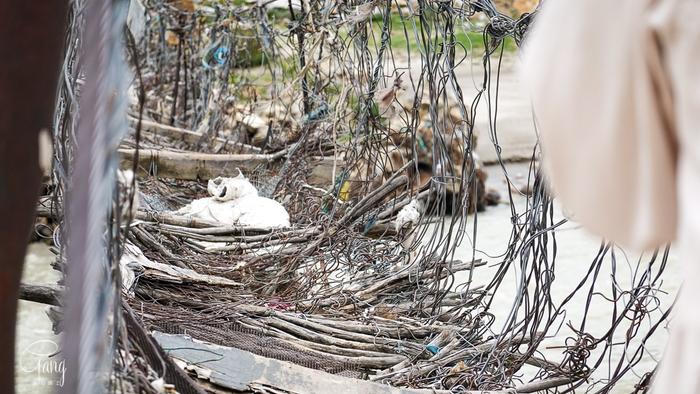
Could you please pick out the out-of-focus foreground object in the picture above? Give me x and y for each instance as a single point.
(621, 150)
(89, 301)
(602, 104)
(31, 38)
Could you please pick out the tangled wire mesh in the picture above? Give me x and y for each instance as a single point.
(347, 113)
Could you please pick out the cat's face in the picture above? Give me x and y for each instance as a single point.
(226, 189)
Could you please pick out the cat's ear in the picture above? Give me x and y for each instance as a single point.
(240, 174)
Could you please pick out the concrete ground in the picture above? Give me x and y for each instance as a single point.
(514, 126)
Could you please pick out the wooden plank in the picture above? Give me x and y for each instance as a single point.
(194, 166)
(205, 166)
(133, 259)
(49, 295)
(240, 370)
(189, 136)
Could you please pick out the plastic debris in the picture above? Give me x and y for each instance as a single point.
(218, 53)
(433, 349)
(409, 215)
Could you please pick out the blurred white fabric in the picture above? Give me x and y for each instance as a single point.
(616, 91)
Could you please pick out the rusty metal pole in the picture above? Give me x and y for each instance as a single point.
(31, 43)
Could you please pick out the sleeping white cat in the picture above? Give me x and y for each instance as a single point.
(235, 201)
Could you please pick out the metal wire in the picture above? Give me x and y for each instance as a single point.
(334, 78)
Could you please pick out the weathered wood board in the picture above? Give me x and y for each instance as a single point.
(240, 370)
(205, 166)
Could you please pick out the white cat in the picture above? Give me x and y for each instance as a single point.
(227, 189)
(235, 201)
(209, 209)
